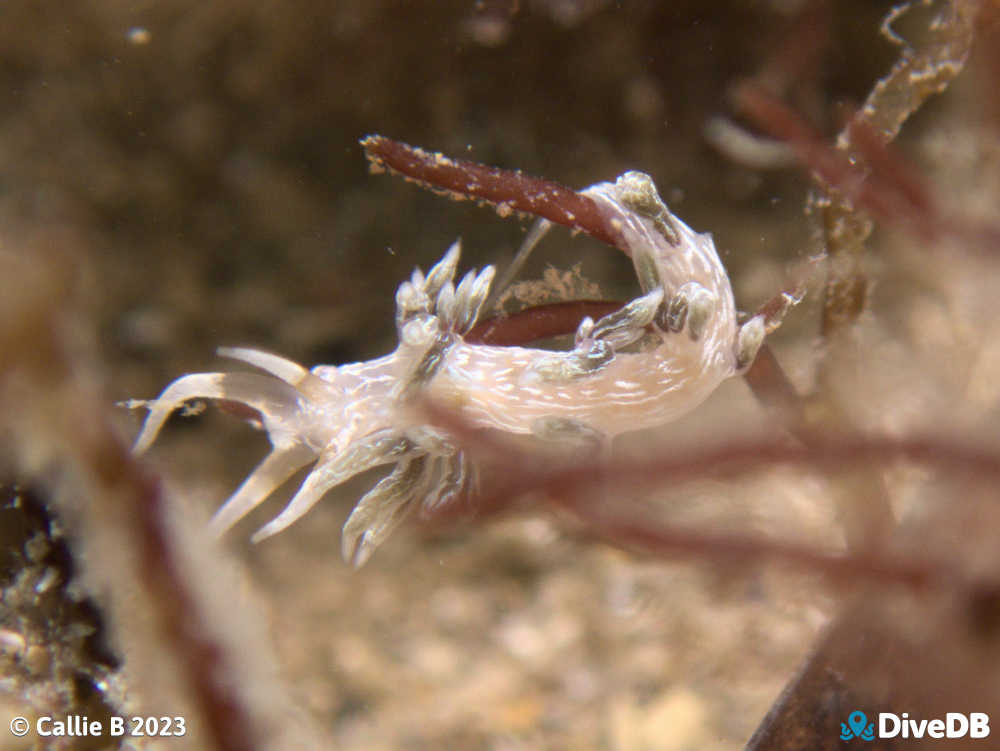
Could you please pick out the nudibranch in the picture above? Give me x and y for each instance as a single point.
(644, 365)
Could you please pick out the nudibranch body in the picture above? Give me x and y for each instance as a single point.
(644, 365)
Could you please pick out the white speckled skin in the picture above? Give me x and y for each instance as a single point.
(350, 418)
(494, 387)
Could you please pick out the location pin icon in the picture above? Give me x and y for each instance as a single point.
(857, 721)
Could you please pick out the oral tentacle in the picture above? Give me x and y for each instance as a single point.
(275, 400)
(287, 370)
(308, 384)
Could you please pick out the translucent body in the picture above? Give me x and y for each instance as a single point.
(498, 387)
(682, 340)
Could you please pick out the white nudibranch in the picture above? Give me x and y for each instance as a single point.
(641, 366)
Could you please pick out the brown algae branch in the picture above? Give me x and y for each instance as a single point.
(568, 486)
(539, 322)
(819, 450)
(113, 506)
(881, 186)
(508, 190)
(666, 541)
(203, 660)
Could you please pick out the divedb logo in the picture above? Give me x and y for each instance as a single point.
(953, 725)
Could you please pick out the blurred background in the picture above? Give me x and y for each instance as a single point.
(195, 169)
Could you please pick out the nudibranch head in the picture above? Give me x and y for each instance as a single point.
(348, 419)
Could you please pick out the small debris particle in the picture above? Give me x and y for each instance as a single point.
(11, 641)
(37, 660)
(138, 36)
(37, 548)
(49, 579)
